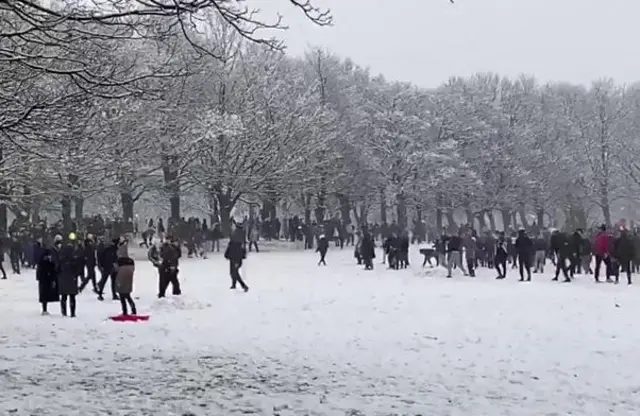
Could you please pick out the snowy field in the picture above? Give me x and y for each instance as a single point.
(333, 340)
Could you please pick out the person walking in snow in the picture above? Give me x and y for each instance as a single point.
(323, 247)
(562, 248)
(236, 253)
(501, 256)
(524, 250)
(107, 257)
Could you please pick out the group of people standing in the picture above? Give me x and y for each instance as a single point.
(64, 270)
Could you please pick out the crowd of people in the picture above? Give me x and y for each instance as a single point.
(618, 249)
(66, 266)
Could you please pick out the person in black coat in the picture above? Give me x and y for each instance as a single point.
(236, 253)
(47, 280)
(90, 261)
(323, 247)
(107, 257)
(624, 252)
(15, 254)
(368, 250)
(170, 253)
(564, 252)
(524, 250)
(67, 274)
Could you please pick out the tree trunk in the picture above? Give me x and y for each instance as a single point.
(523, 216)
(66, 213)
(226, 204)
(35, 210)
(451, 222)
(401, 211)
(4, 197)
(470, 217)
(364, 213)
(604, 204)
(540, 218)
(307, 208)
(506, 219)
(345, 209)
(439, 217)
(268, 211)
(383, 207)
(172, 185)
(482, 220)
(492, 220)
(126, 199)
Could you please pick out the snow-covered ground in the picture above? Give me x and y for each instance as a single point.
(336, 340)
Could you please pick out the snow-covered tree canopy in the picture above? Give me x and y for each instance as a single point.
(120, 101)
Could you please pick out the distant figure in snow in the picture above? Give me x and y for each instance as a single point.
(367, 250)
(524, 250)
(323, 247)
(236, 253)
(47, 281)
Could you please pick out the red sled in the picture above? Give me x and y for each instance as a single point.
(129, 318)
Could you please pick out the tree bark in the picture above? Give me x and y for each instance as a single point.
(506, 219)
(345, 209)
(383, 206)
(126, 200)
(401, 210)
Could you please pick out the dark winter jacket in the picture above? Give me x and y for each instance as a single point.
(38, 252)
(47, 278)
(154, 256)
(455, 244)
(67, 272)
(89, 253)
(235, 252)
(470, 247)
(367, 247)
(501, 249)
(576, 243)
(524, 245)
(170, 255)
(558, 241)
(107, 257)
(564, 248)
(624, 249)
(323, 245)
(541, 244)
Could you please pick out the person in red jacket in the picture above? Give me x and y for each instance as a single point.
(601, 251)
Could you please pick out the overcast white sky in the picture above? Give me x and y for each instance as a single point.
(427, 41)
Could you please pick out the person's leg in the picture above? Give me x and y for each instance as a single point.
(72, 305)
(123, 304)
(63, 305)
(132, 305)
